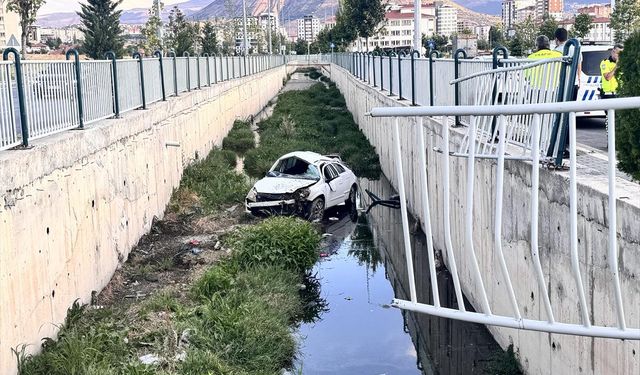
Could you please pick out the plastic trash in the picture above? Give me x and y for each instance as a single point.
(150, 359)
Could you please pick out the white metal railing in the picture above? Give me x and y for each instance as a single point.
(60, 95)
(552, 320)
(10, 132)
(533, 82)
(97, 90)
(129, 88)
(50, 97)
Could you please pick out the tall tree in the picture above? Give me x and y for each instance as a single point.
(181, 35)
(366, 16)
(101, 28)
(27, 10)
(151, 28)
(548, 27)
(582, 25)
(439, 41)
(524, 39)
(625, 19)
(496, 37)
(209, 40)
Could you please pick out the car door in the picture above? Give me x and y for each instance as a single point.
(343, 183)
(332, 191)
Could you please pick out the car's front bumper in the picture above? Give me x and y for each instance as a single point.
(269, 204)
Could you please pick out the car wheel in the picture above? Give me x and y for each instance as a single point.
(351, 201)
(316, 210)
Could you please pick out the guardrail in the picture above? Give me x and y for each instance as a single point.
(587, 326)
(431, 80)
(40, 98)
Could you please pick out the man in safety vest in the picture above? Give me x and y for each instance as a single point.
(543, 76)
(608, 69)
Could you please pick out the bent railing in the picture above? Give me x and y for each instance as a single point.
(532, 82)
(549, 319)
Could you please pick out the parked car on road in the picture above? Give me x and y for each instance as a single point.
(303, 183)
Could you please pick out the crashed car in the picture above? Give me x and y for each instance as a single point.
(303, 183)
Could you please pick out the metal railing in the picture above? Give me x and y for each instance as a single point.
(431, 80)
(39, 98)
(517, 318)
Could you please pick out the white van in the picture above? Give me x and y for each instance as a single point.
(590, 77)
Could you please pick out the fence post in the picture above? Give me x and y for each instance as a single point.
(382, 71)
(137, 55)
(198, 71)
(233, 67)
(400, 55)
(206, 55)
(175, 71)
(76, 58)
(20, 83)
(563, 129)
(112, 56)
(374, 54)
(186, 54)
(158, 54)
(495, 65)
(391, 54)
(369, 67)
(456, 72)
(432, 54)
(413, 76)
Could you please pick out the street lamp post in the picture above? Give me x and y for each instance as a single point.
(417, 17)
(269, 26)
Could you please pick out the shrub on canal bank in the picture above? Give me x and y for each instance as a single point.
(322, 124)
(213, 181)
(628, 127)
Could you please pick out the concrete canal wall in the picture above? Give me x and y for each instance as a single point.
(538, 353)
(73, 206)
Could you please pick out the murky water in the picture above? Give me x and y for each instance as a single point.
(362, 269)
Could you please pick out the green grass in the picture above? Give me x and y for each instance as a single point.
(213, 181)
(239, 315)
(240, 138)
(322, 124)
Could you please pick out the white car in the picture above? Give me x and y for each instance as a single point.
(303, 183)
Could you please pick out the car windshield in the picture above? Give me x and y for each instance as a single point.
(591, 62)
(295, 168)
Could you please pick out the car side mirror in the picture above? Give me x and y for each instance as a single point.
(271, 174)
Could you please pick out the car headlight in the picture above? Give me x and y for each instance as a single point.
(253, 193)
(304, 192)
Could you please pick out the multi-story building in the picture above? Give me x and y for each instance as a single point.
(10, 32)
(398, 29)
(254, 34)
(446, 20)
(482, 32)
(596, 10)
(308, 28)
(554, 8)
(515, 11)
(600, 30)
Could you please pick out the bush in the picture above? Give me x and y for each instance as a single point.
(240, 139)
(315, 74)
(214, 181)
(628, 127)
(286, 241)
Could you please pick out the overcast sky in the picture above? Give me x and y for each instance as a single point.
(54, 6)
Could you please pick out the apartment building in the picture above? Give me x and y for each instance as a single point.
(10, 32)
(554, 8)
(308, 28)
(446, 20)
(398, 29)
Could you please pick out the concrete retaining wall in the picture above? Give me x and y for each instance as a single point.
(74, 205)
(539, 353)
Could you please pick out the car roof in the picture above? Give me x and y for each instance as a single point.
(308, 156)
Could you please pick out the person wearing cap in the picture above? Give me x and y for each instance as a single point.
(608, 68)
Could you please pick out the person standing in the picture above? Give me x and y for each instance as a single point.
(608, 67)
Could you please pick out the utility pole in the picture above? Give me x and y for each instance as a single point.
(269, 27)
(417, 17)
(244, 26)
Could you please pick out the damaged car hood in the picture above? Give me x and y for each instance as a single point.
(281, 185)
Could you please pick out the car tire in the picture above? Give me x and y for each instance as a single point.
(316, 209)
(351, 200)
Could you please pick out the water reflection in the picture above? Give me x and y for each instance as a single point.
(352, 329)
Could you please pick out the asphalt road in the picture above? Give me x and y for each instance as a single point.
(591, 132)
